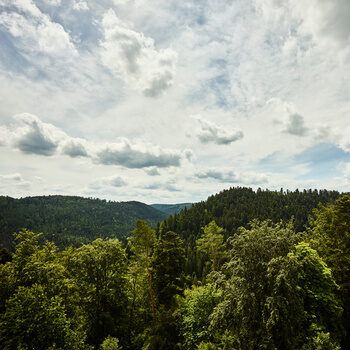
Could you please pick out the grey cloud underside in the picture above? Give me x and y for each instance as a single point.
(32, 136)
(117, 182)
(217, 175)
(158, 85)
(211, 132)
(232, 177)
(132, 158)
(210, 136)
(296, 125)
(152, 172)
(74, 149)
(160, 186)
(36, 142)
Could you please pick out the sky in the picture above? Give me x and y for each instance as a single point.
(167, 101)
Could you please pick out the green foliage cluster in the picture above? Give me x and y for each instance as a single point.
(68, 220)
(267, 287)
(237, 207)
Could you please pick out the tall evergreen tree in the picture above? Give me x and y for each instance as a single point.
(143, 240)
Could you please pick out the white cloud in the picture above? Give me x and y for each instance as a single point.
(152, 172)
(295, 125)
(138, 156)
(326, 20)
(132, 56)
(32, 136)
(12, 177)
(80, 5)
(35, 136)
(74, 148)
(210, 132)
(36, 32)
(230, 176)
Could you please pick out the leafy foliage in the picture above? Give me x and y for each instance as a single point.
(261, 286)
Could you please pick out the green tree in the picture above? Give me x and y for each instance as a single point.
(35, 321)
(195, 311)
(167, 264)
(99, 270)
(143, 240)
(330, 235)
(110, 343)
(212, 241)
(278, 293)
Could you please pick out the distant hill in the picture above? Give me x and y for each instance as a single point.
(237, 206)
(72, 220)
(170, 209)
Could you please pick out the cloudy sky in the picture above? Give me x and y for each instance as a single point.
(170, 101)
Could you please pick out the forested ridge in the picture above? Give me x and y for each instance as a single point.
(264, 285)
(170, 209)
(71, 220)
(237, 206)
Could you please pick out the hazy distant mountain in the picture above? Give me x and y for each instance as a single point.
(170, 209)
(72, 220)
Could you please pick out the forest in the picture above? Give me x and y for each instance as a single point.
(243, 270)
(72, 220)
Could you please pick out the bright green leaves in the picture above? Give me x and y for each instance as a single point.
(99, 270)
(278, 293)
(212, 242)
(36, 321)
(195, 312)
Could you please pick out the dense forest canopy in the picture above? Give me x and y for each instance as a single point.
(264, 285)
(276, 289)
(69, 220)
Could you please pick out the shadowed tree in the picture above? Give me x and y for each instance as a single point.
(167, 264)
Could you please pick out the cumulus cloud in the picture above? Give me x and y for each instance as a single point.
(161, 186)
(152, 172)
(35, 31)
(295, 125)
(230, 176)
(108, 181)
(326, 20)
(210, 132)
(138, 156)
(35, 136)
(133, 57)
(32, 136)
(117, 181)
(74, 148)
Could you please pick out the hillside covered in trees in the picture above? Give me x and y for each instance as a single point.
(275, 288)
(171, 209)
(236, 207)
(68, 220)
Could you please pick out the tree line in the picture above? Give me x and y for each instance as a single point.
(267, 286)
